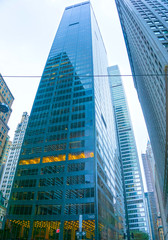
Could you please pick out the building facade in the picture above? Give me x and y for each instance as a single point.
(5, 154)
(145, 29)
(152, 214)
(6, 149)
(7, 98)
(12, 160)
(69, 163)
(160, 228)
(2, 209)
(134, 194)
(149, 169)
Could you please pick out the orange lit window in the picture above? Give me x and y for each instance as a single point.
(30, 161)
(74, 156)
(64, 63)
(54, 158)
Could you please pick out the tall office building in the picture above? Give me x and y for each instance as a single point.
(69, 164)
(7, 98)
(12, 160)
(149, 169)
(134, 194)
(154, 210)
(145, 29)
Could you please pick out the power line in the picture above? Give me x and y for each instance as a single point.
(118, 75)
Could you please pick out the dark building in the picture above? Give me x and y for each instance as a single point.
(145, 29)
(69, 163)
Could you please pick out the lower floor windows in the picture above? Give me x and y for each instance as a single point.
(48, 210)
(76, 209)
(20, 210)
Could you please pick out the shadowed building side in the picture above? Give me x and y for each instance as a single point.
(145, 29)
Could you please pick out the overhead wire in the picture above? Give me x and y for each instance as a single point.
(108, 75)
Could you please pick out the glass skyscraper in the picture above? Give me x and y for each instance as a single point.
(145, 29)
(69, 163)
(134, 195)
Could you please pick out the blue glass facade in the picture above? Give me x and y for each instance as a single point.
(69, 164)
(134, 194)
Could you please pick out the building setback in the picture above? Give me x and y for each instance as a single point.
(12, 160)
(134, 194)
(69, 163)
(145, 29)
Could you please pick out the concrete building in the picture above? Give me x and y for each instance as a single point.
(145, 29)
(12, 160)
(6, 149)
(7, 98)
(5, 154)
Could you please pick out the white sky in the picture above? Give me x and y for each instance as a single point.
(27, 30)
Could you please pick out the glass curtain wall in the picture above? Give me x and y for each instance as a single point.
(69, 164)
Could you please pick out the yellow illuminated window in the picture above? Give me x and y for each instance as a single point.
(54, 158)
(56, 65)
(74, 156)
(30, 161)
(64, 63)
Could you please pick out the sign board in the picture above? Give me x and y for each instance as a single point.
(57, 230)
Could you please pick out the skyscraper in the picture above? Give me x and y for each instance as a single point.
(69, 163)
(145, 29)
(149, 169)
(11, 163)
(134, 195)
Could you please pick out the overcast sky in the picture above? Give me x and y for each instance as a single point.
(27, 30)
